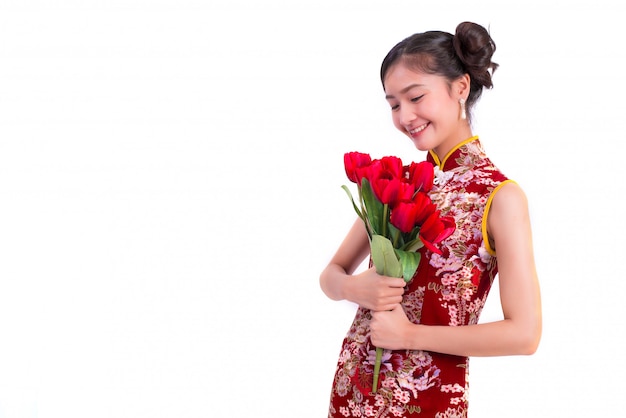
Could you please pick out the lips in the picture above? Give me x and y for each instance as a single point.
(419, 129)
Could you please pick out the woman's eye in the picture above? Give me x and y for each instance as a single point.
(395, 107)
(416, 99)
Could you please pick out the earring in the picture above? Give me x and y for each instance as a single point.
(463, 114)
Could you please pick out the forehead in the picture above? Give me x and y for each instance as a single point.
(400, 78)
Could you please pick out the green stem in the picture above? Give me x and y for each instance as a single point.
(368, 228)
(396, 238)
(385, 220)
(379, 357)
(385, 267)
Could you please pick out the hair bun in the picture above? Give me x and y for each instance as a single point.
(475, 48)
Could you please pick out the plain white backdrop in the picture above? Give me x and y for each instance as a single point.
(170, 178)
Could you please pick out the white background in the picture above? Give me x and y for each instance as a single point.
(170, 176)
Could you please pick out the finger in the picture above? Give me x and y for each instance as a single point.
(397, 282)
(390, 301)
(399, 312)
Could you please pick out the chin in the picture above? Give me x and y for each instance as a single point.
(420, 145)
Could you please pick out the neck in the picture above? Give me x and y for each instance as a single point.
(460, 135)
(440, 159)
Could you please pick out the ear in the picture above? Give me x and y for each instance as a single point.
(461, 87)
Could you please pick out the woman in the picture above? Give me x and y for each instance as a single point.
(429, 326)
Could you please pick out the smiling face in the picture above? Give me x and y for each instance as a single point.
(426, 108)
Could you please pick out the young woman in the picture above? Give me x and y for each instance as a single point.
(429, 326)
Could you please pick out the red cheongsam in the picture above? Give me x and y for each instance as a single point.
(448, 289)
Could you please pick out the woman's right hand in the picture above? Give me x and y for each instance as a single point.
(370, 290)
(367, 288)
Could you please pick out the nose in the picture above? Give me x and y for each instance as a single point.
(406, 115)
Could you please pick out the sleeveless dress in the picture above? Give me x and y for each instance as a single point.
(448, 289)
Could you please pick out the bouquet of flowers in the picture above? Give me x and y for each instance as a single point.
(398, 214)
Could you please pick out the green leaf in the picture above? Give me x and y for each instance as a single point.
(395, 235)
(384, 257)
(414, 235)
(414, 245)
(356, 208)
(373, 207)
(410, 261)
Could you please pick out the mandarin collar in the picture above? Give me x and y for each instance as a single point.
(448, 163)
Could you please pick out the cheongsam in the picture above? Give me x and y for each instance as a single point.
(448, 289)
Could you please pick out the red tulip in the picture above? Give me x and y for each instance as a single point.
(403, 216)
(435, 230)
(407, 215)
(392, 191)
(393, 166)
(406, 192)
(385, 177)
(421, 175)
(426, 207)
(386, 190)
(355, 164)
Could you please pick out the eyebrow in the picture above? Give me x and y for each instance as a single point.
(404, 90)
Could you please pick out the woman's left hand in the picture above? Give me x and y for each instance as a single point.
(389, 329)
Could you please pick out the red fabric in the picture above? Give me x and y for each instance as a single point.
(448, 289)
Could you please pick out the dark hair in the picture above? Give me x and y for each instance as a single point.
(468, 51)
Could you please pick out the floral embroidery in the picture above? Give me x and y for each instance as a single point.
(441, 177)
(448, 289)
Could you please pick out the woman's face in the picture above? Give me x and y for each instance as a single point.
(426, 108)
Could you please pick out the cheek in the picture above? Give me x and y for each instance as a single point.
(448, 108)
(396, 121)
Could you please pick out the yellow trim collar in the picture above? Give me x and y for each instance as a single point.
(441, 163)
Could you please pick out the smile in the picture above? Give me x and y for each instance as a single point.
(418, 129)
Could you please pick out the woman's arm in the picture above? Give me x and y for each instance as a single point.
(367, 289)
(520, 330)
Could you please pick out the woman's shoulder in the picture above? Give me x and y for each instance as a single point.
(509, 202)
